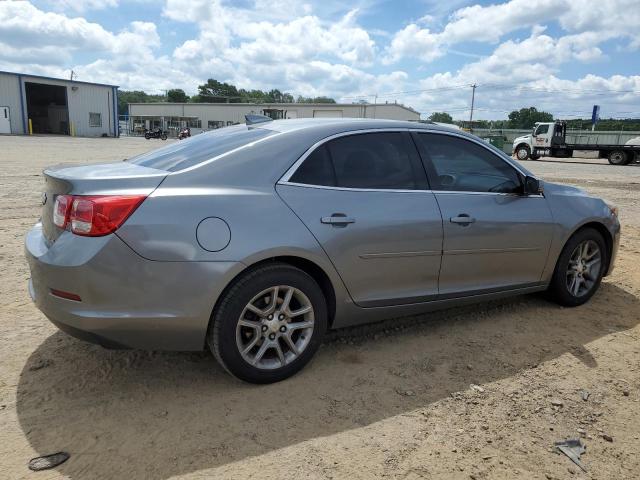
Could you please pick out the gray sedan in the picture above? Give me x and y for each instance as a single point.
(253, 240)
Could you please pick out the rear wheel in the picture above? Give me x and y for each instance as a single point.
(268, 324)
(523, 152)
(163, 136)
(618, 157)
(580, 268)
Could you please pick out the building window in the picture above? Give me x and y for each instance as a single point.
(194, 123)
(95, 119)
(213, 124)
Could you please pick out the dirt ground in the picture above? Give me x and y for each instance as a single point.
(392, 400)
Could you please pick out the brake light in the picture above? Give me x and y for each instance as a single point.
(98, 215)
(61, 209)
(94, 215)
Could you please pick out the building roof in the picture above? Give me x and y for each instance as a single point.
(293, 104)
(57, 79)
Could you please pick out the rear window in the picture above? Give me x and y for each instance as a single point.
(199, 148)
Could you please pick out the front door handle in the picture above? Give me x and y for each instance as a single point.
(338, 220)
(462, 219)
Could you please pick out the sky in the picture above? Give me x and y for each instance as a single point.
(561, 56)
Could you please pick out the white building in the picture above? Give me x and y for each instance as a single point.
(36, 104)
(208, 116)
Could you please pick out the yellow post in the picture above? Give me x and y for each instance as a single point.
(30, 128)
(73, 130)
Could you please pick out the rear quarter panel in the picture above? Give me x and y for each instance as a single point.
(239, 189)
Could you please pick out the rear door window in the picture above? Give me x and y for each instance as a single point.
(381, 161)
(200, 148)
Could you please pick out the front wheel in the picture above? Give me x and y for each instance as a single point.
(580, 268)
(268, 324)
(618, 157)
(147, 136)
(163, 136)
(523, 152)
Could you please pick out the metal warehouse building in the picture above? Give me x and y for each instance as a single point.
(208, 116)
(43, 105)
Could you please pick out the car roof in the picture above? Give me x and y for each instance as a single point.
(346, 124)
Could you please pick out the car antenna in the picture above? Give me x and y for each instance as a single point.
(254, 118)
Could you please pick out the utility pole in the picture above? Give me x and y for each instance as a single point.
(375, 103)
(473, 97)
(72, 75)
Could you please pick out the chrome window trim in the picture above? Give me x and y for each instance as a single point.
(284, 180)
(446, 192)
(352, 189)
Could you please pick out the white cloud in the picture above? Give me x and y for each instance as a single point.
(322, 49)
(597, 21)
(82, 6)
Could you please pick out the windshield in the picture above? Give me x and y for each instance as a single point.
(187, 153)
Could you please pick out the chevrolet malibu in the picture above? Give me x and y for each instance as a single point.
(255, 239)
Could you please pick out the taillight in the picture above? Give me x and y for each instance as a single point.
(61, 209)
(99, 215)
(94, 215)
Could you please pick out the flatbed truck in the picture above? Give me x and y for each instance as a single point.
(548, 139)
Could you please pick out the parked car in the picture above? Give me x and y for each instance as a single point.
(253, 240)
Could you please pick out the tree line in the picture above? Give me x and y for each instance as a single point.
(214, 91)
(525, 118)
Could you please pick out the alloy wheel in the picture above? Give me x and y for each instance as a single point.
(275, 327)
(584, 268)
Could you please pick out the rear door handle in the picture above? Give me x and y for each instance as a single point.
(462, 219)
(338, 220)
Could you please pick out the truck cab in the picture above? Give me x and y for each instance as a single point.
(540, 141)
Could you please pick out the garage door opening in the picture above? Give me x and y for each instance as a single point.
(47, 108)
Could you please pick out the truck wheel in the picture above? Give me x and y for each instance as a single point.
(533, 156)
(523, 152)
(618, 157)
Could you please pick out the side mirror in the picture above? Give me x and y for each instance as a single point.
(532, 186)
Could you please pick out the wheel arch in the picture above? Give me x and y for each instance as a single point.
(308, 266)
(602, 229)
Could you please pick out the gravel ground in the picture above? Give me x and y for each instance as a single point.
(390, 400)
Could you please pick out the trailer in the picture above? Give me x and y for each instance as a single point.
(548, 139)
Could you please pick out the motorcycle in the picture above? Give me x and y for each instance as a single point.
(156, 133)
(184, 133)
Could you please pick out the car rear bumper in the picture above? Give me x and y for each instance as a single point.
(127, 301)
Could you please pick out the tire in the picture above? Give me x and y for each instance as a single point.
(227, 337)
(534, 157)
(618, 157)
(163, 136)
(147, 136)
(523, 152)
(560, 288)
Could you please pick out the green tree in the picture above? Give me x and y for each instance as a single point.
(217, 92)
(527, 117)
(177, 95)
(323, 99)
(441, 117)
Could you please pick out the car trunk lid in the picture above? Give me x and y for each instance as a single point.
(121, 178)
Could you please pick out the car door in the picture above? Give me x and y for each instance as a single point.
(365, 198)
(495, 237)
(541, 136)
